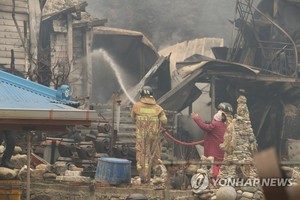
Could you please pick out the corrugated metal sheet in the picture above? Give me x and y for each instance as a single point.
(21, 98)
(116, 31)
(170, 101)
(181, 51)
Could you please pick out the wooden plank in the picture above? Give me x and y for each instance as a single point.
(9, 47)
(70, 41)
(19, 4)
(78, 53)
(10, 35)
(59, 54)
(26, 1)
(19, 67)
(6, 15)
(62, 55)
(10, 8)
(14, 42)
(10, 22)
(7, 54)
(60, 47)
(43, 122)
(34, 29)
(7, 61)
(60, 41)
(80, 6)
(88, 42)
(10, 29)
(76, 45)
(275, 8)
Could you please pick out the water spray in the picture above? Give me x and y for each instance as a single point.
(116, 68)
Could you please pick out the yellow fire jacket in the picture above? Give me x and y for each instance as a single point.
(148, 116)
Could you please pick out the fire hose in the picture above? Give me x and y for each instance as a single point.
(168, 135)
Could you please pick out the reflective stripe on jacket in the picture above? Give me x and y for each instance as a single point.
(148, 116)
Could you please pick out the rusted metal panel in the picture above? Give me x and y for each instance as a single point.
(183, 50)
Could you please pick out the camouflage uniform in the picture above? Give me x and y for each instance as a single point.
(148, 117)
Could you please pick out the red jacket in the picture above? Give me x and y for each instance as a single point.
(213, 137)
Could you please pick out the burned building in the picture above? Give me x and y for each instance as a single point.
(55, 42)
(263, 63)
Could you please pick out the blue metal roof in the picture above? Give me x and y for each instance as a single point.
(17, 92)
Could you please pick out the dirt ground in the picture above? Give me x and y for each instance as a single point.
(77, 191)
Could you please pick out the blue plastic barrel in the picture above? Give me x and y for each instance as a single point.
(114, 171)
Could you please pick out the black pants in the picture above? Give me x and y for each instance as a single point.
(10, 140)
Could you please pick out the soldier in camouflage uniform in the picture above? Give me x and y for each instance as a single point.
(148, 117)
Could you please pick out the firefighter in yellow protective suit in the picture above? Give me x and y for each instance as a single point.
(148, 117)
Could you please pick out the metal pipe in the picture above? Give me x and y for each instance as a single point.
(112, 140)
(28, 166)
(213, 96)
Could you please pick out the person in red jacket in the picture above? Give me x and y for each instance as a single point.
(213, 137)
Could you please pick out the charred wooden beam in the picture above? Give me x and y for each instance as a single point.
(12, 62)
(266, 78)
(72, 9)
(93, 23)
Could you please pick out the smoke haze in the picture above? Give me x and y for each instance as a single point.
(166, 22)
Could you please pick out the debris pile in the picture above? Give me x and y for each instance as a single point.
(239, 145)
(18, 160)
(240, 150)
